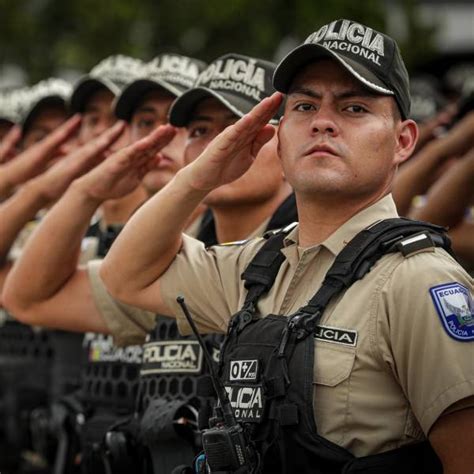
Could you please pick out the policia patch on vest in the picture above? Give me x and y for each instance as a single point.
(174, 357)
(334, 335)
(247, 401)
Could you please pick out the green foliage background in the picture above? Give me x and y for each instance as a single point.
(43, 36)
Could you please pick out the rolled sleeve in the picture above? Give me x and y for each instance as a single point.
(128, 325)
(209, 280)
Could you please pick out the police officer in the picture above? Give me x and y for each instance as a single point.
(393, 354)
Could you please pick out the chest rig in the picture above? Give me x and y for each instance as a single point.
(173, 395)
(267, 363)
(37, 368)
(107, 397)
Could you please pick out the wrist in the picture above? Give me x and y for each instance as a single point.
(82, 192)
(34, 192)
(185, 183)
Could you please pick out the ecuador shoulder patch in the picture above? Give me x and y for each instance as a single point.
(453, 303)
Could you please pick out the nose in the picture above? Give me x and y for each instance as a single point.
(324, 121)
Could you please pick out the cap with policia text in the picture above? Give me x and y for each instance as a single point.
(373, 58)
(113, 73)
(238, 82)
(28, 101)
(172, 72)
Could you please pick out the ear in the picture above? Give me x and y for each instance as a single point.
(278, 128)
(407, 136)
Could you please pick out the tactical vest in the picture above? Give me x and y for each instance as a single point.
(37, 368)
(109, 388)
(267, 363)
(172, 376)
(108, 393)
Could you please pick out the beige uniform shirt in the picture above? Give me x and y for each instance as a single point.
(128, 325)
(403, 370)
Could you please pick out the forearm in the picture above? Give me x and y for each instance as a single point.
(53, 250)
(151, 239)
(15, 213)
(449, 197)
(415, 177)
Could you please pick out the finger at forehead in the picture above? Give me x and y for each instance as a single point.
(155, 141)
(109, 136)
(62, 133)
(102, 142)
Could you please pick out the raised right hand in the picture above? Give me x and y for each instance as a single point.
(36, 159)
(460, 138)
(233, 151)
(121, 172)
(54, 182)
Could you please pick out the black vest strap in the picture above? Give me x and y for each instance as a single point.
(353, 262)
(360, 255)
(260, 274)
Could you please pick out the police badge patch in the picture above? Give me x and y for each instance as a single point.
(453, 302)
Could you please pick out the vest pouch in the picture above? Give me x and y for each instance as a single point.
(166, 429)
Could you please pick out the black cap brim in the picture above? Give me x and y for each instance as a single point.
(86, 88)
(50, 101)
(133, 94)
(307, 53)
(183, 108)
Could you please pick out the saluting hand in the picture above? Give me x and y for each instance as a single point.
(460, 138)
(121, 172)
(35, 159)
(54, 182)
(233, 151)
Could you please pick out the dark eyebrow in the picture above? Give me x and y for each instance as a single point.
(356, 93)
(305, 91)
(207, 118)
(347, 94)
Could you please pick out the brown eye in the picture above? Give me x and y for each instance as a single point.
(197, 132)
(357, 109)
(305, 107)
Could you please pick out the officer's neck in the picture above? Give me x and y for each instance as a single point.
(320, 218)
(118, 211)
(238, 221)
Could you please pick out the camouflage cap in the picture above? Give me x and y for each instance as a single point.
(172, 72)
(113, 73)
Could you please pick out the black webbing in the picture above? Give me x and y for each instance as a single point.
(362, 252)
(260, 274)
(351, 264)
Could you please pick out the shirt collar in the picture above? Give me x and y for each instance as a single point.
(383, 209)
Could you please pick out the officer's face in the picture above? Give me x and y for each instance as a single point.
(97, 116)
(339, 140)
(258, 184)
(47, 119)
(150, 114)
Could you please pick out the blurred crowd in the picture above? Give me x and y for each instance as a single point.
(74, 166)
